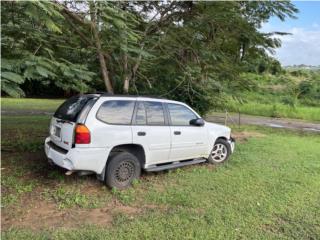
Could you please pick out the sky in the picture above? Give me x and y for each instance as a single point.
(303, 46)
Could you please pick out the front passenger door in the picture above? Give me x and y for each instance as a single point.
(187, 141)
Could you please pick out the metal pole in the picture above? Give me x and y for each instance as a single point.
(225, 119)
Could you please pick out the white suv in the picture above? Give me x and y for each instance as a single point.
(117, 136)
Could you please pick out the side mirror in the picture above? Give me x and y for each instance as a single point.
(197, 122)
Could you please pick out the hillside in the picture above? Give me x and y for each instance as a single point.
(291, 94)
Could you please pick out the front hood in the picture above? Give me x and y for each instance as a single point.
(219, 129)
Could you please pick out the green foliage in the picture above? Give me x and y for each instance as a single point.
(31, 36)
(310, 87)
(281, 95)
(11, 80)
(189, 51)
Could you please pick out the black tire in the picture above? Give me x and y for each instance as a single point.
(122, 169)
(226, 150)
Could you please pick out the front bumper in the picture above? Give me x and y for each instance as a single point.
(232, 143)
(77, 159)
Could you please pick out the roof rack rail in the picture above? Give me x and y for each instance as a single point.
(106, 94)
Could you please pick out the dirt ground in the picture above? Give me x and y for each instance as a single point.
(43, 215)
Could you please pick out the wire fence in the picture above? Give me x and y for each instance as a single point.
(226, 118)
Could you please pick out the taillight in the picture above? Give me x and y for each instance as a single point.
(82, 135)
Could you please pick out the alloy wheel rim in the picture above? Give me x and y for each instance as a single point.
(219, 152)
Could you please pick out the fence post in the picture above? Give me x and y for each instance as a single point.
(226, 118)
(239, 118)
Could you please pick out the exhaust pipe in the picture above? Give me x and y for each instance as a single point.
(68, 173)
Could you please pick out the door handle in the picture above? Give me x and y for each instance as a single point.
(141, 133)
(177, 133)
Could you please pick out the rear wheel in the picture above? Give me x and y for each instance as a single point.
(220, 152)
(122, 169)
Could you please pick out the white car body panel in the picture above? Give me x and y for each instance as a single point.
(190, 143)
(155, 151)
(214, 132)
(86, 159)
(61, 132)
(160, 144)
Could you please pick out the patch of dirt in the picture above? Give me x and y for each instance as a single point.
(245, 135)
(45, 215)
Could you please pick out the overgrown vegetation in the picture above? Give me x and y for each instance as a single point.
(290, 93)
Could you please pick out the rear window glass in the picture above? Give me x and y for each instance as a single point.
(116, 112)
(70, 109)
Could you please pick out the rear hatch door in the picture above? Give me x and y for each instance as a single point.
(64, 120)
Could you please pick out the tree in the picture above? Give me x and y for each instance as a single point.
(36, 48)
(191, 51)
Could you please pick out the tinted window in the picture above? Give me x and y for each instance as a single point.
(116, 112)
(85, 110)
(141, 118)
(70, 109)
(155, 114)
(180, 115)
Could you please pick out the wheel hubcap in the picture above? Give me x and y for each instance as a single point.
(219, 152)
(124, 171)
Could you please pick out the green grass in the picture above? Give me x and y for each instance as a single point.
(30, 104)
(277, 110)
(24, 133)
(277, 96)
(268, 190)
(17, 187)
(70, 196)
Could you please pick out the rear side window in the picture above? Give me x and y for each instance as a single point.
(155, 113)
(70, 109)
(180, 115)
(116, 112)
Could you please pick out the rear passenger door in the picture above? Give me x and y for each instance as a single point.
(187, 141)
(150, 129)
(114, 123)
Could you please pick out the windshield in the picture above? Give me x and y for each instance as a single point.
(70, 109)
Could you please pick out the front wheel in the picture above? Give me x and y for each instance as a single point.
(220, 152)
(122, 169)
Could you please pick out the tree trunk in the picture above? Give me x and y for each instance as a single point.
(104, 71)
(126, 84)
(102, 61)
(127, 77)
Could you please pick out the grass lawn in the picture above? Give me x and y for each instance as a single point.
(279, 110)
(268, 190)
(30, 104)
